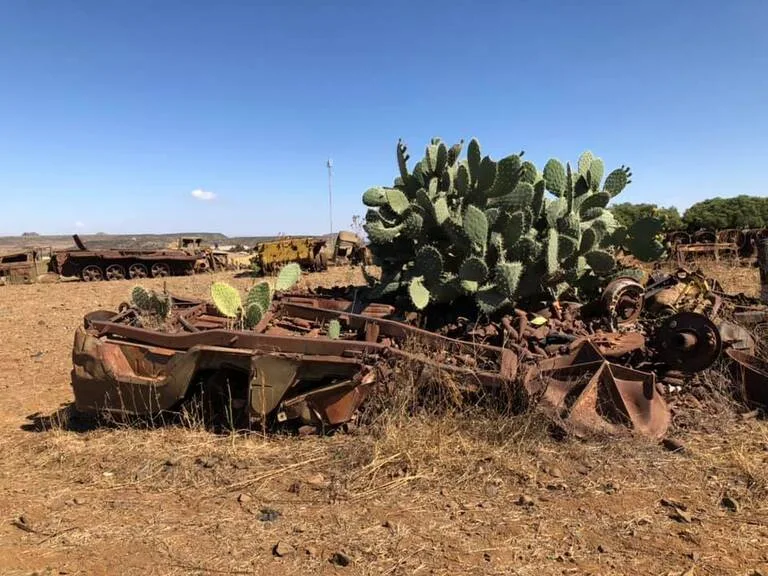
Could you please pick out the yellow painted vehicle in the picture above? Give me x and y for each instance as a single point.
(308, 252)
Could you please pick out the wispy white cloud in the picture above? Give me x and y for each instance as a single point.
(201, 194)
(79, 224)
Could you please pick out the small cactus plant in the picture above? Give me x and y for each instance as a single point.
(249, 312)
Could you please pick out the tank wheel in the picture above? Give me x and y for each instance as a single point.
(92, 273)
(115, 272)
(160, 269)
(137, 271)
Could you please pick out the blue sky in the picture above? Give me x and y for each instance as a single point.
(113, 111)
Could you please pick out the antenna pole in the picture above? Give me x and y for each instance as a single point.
(330, 192)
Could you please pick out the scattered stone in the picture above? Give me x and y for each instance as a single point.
(170, 463)
(308, 430)
(673, 504)
(340, 559)
(491, 490)
(695, 556)
(681, 516)
(206, 462)
(317, 482)
(555, 472)
(243, 498)
(486, 557)
(22, 523)
(295, 487)
(750, 415)
(239, 465)
(268, 515)
(311, 551)
(673, 445)
(79, 500)
(730, 504)
(525, 500)
(282, 549)
(602, 549)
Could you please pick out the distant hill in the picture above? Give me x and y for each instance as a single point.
(103, 241)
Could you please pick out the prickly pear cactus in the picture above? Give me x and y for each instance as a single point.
(261, 295)
(160, 304)
(226, 299)
(288, 277)
(253, 315)
(140, 298)
(474, 228)
(334, 329)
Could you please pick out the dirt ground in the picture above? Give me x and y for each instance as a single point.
(465, 493)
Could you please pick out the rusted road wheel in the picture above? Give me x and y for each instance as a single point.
(115, 272)
(137, 271)
(160, 269)
(92, 273)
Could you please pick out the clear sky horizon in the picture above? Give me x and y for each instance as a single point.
(147, 117)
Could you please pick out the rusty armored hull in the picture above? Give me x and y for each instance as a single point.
(21, 267)
(288, 369)
(118, 264)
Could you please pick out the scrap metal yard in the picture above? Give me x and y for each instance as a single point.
(465, 489)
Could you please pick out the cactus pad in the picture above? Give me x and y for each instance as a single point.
(226, 299)
(551, 255)
(474, 158)
(396, 200)
(140, 297)
(566, 246)
(473, 269)
(418, 293)
(475, 226)
(601, 262)
(585, 161)
(508, 277)
(486, 174)
(594, 200)
(554, 176)
(380, 234)
(260, 294)
(429, 263)
(588, 241)
(334, 329)
(529, 173)
(507, 176)
(461, 182)
(596, 171)
(489, 299)
(160, 304)
(288, 277)
(617, 180)
(374, 197)
(253, 315)
(555, 210)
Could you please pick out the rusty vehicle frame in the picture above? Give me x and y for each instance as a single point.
(285, 370)
(118, 264)
(23, 266)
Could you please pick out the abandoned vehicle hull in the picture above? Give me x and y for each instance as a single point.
(21, 267)
(121, 264)
(287, 370)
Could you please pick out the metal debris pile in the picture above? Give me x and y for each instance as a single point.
(605, 366)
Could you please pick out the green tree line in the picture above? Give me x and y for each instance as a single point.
(712, 214)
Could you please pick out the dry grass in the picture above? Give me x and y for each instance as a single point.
(412, 492)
